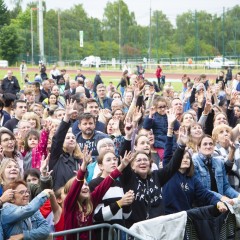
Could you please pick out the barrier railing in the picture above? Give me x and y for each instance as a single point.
(78, 232)
(118, 232)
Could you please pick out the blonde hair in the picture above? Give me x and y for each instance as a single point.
(217, 130)
(87, 202)
(3, 166)
(77, 153)
(32, 115)
(191, 144)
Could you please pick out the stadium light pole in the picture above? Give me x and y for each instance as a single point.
(32, 9)
(40, 24)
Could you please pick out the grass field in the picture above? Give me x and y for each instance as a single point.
(114, 77)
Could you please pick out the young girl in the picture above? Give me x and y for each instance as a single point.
(115, 205)
(79, 204)
(157, 121)
(35, 147)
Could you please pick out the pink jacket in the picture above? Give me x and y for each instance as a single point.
(40, 150)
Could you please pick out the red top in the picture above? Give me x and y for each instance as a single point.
(46, 209)
(60, 227)
(73, 218)
(158, 72)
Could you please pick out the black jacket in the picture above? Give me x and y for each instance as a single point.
(62, 164)
(207, 221)
(148, 194)
(10, 86)
(97, 80)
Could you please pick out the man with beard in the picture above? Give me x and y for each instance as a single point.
(90, 106)
(88, 135)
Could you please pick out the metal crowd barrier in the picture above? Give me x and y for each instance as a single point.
(78, 231)
(114, 232)
(229, 231)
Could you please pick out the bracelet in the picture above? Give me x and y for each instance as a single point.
(119, 204)
(181, 146)
(79, 180)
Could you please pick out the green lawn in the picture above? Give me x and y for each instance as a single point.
(106, 78)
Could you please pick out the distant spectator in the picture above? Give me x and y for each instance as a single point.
(97, 80)
(10, 84)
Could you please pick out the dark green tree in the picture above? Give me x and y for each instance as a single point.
(10, 44)
(4, 14)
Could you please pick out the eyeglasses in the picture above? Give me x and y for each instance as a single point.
(7, 140)
(162, 106)
(144, 160)
(24, 192)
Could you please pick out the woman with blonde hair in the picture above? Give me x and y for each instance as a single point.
(33, 118)
(79, 204)
(10, 172)
(229, 153)
(195, 132)
(65, 155)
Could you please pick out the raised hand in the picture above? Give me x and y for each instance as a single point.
(47, 125)
(128, 129)
(183, 137)
(44, 166)
(171, 116)
(137, 114)
(233, 99)
(208, 106)
(137, 92)
(69, 110)
(87, 158)
(125, 160)
(105, 113)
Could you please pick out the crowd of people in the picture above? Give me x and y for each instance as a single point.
(76, 152)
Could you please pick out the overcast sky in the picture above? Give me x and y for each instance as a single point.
(141, 8)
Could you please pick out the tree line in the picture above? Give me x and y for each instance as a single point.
(195, 34)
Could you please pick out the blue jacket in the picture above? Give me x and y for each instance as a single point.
(107, 102)
(99, 127)
(181, 191)
(25, 219)
(202, 173)
(159, 125)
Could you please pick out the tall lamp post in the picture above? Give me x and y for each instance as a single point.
(119, 32)
(32, 9)
(150, 33)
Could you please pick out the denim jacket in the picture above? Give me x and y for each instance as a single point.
(25, 219)
(202, 173)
